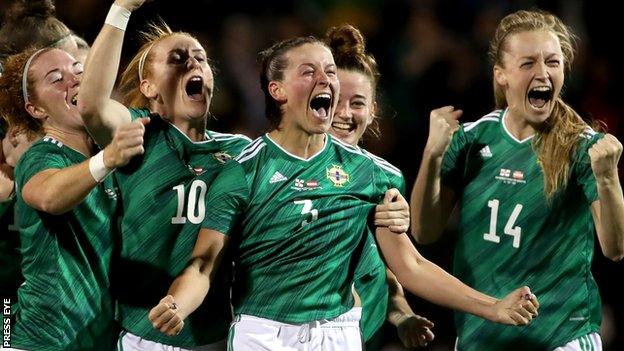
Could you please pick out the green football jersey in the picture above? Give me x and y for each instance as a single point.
(371, 281)
(65, 303)
(296, 225)
(511, 235)
(162, 206)
(10, 257)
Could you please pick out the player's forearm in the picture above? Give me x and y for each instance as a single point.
(426, 208)
(611, 229)
(398, 308)
(190, 288)
(425, 279)
(57, 191)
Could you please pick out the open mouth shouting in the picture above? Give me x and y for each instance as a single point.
(540, 96)
(321, 105)
(195, 88)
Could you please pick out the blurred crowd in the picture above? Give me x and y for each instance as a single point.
(430, 52)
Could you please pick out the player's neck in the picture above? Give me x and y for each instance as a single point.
(518, 126)
(192, 127)
(298, 142)
(77, 140)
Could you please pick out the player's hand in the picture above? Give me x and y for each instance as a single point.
(165, 318)
(443, 122)
(393, 213)
(127, 142)
(604, 156)
(517, 308)
(130, 5)
(415, 331)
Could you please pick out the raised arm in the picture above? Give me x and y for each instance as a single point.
(431, 203)
(608, 211)
(101, 114)
(432, 283)
(191, 287)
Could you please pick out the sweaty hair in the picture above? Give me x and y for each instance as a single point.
(557, 139)
(12, 100)
(31, 23)
(273, 63)
(349, 50)
(130, 82)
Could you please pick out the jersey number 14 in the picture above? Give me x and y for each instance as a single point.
(510, 229)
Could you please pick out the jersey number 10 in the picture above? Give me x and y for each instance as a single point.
(510, 229)
(196, 209)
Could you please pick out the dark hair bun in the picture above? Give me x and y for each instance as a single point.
(345, 40)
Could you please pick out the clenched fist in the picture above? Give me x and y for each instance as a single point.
(127, 143)
(604, 156)
(165, 318)
(442, 124)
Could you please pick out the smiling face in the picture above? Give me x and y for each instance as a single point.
(178, 79)
(309, 89)
(56, 79)
(531, 74)
(355, 109)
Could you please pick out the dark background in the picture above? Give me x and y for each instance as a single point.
(431, 53)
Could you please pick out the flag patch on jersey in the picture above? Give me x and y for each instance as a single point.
(337, 175)
(301, 185)
(485, 152)
(277, 177)
(196, 170)
(508, 176)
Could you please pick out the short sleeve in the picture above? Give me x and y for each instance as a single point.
(37, 159)
(453, 161)
(583, 173)
(227, 199)
(136, 113)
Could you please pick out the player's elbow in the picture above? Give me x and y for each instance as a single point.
(614, 255)
(422, 235)
(613, 252)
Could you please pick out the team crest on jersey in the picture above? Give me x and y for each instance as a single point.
(337, 175)
(222, 156)
(302, 185)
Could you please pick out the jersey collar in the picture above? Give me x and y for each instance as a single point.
(327, 141)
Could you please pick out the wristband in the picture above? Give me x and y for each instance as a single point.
(118, 17)
(98, 170)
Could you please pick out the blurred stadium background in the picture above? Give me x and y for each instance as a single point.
(431, 53)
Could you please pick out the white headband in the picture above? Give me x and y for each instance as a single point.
(142, 62)
(25, 75)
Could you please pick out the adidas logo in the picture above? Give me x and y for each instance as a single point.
(277, 177)
(485, 152)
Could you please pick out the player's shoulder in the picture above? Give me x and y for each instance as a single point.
(234, 143)
(251, 152)
(383, 164)
(491, 119)
(364, 156)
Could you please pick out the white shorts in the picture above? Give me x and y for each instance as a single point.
(589, 342)
(255, 333)
(130, 342)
